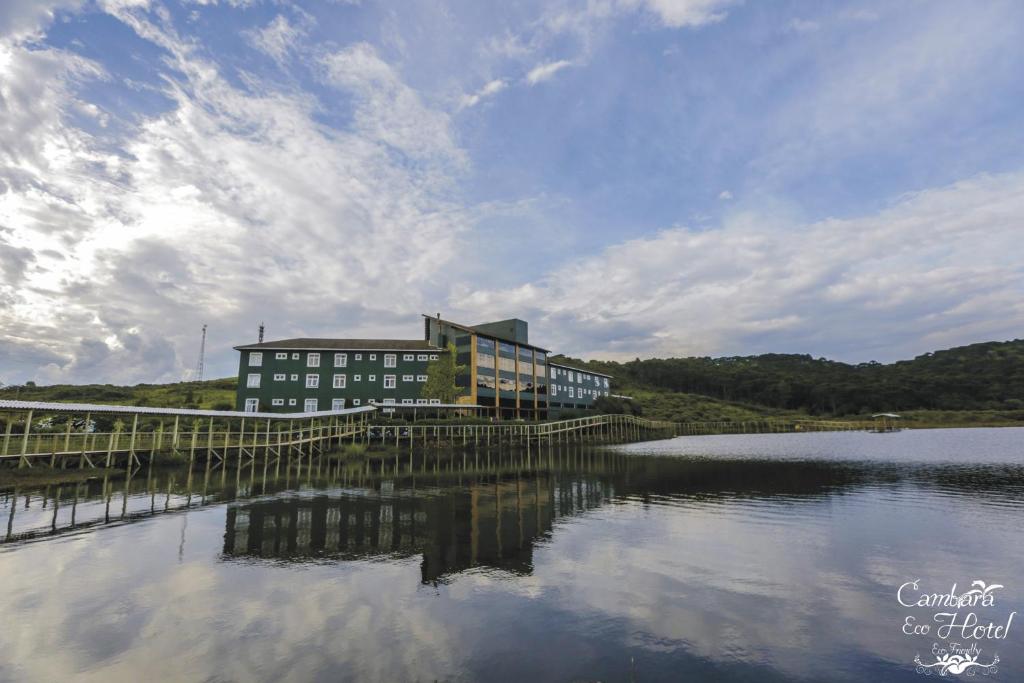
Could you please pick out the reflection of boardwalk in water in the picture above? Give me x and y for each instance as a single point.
(36, 512)
(480, 523)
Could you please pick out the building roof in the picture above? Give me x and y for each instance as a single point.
(583, 370)
(310, 344)
(482, 330)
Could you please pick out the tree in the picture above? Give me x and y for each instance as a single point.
(441, 381)
(614, 405)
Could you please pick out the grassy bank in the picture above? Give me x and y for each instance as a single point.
(655, 404)
(216, 394)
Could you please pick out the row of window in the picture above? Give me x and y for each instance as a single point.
(577, 392)
(578, 377)
(340, 359)
(310, 405)
(339, 381)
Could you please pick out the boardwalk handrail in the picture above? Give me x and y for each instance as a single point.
(99, 408)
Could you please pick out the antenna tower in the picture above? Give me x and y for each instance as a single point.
(198, 377)
(261, 333)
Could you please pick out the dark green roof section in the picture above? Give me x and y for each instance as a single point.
(575, 368)
(513, 329)
(312, 344)
(487, 331)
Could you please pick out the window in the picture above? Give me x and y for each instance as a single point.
(421, 378)
(389, 381)
(371, 378)
(572, 393)
(373, 356)
(359, 356)
(554, 390)
(554, 373)
(341, 360)
(291, 401)
(409, 356)
(281, 356)
(433, 356)
(312, 381)
(337, 404)
(421, 357)
(421, 401)
(313, 360)
(279, 376)
(571, 379)
(277, 402)
(255, 359)
(251, 405)
(295, 356)
(372, 401)
(605, 382)
(253, 381)
(407, 378)
(389, 401)
(309, 406)
(435, 401)
(406, 401)
(295, 377)
(357, 378)
(390, 360)
(356, 401)
(339, 381)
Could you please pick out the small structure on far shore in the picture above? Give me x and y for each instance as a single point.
(886, 422)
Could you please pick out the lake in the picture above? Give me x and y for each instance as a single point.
(728, 558)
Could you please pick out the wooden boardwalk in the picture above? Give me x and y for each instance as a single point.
(61, 436)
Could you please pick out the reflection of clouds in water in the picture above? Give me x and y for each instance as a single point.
(794, 573)
(709, 579)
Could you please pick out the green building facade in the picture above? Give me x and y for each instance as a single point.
(307, 375)
(503, 372)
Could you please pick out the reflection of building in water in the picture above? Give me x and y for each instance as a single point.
(489, 523)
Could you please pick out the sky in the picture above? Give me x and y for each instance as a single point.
(636, 178)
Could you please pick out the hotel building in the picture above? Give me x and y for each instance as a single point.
(503, 372)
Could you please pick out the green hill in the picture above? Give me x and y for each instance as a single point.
(958, 384)
(976, 384)
(216, 394)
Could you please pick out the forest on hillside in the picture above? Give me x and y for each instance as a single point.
(986, 376)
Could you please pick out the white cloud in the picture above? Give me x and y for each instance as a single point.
(798, 25)
(277, 38)
(683, 13)
(938, 268)
(668, 13)
(235, 205)
(725, 195)
(20, 19)
(390, 111)
(544, 72)
(491, 88)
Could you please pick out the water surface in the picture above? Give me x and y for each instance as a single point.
(733, 558)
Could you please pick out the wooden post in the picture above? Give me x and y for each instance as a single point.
(110, 442)
(7, 433)
(67, 436)
(22, 461)
(131, 443)
(192, 446)
(174, 438)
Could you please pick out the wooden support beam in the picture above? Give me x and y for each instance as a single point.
(22, 460)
